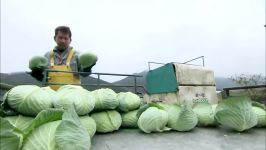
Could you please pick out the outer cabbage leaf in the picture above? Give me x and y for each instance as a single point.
(49, 132)
(70, 134)
(11, 137)
(42, 138)
(20, 122)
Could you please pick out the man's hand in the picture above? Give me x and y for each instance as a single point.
(37, 73)
(87, 70)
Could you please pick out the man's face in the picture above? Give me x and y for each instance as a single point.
(62, 40)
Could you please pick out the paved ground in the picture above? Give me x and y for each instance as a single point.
(198, 139)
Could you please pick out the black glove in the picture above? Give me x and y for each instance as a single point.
(37, 73)
(87, 70)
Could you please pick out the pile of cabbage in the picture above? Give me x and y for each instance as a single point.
(35, 117)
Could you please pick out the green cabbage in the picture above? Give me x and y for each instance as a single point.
(105, 99)
(205, 113)
(82, 99)
(39, 62)
(181, 118)
(260, 110)
(107, 121)
(153, 119)
(89, 124)
(29, 99)
(130, 119)
(236, 113)
(261, 115)
(128, 101)
(87, 59)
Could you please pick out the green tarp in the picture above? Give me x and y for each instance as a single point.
(162, 80)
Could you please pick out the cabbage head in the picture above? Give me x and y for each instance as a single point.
(260, 110)
(130, 119)
(236, 113)
(82, 99)
(181, 118)
(128, 101)
(107, 121)
(30, 99)
(153, 119)
(261, 115)
(205, 113)
(87, 59)
(39, 62)
(89, 124)
(105, 99)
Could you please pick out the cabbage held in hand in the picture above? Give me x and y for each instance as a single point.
(82, 99)
(107, 121)
(236, 113)
(29, 99)
(105, 99)
(153, 119)
(87, 59)
(38, 62)
(128, 101)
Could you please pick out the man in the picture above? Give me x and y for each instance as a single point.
(64, 58)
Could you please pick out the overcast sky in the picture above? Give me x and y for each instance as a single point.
(126, 34)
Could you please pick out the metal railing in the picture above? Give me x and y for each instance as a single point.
(227, 90)
(99, 84)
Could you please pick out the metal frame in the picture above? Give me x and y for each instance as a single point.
(46, 71)
(186, 62)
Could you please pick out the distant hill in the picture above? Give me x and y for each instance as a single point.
(22, 78)
(19, 78)
(221, 82)
(130, 81)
